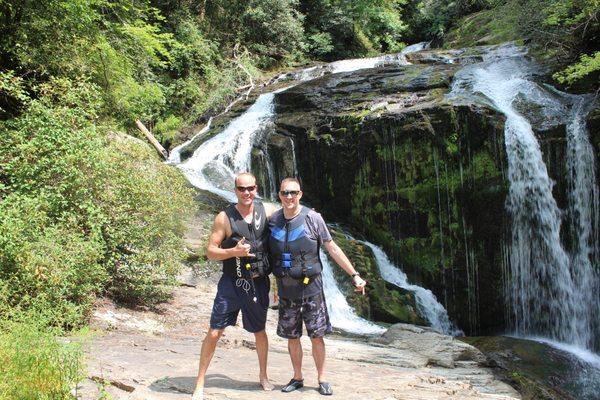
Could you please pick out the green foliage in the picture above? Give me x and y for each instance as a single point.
(166, 129)
(273, 29)
(432, 19)
(35, 363)
(586, 66)
(578, 21)
(82, 214)
(340, 29)
(143, 203)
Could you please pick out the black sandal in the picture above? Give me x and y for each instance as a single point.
(294, 384)
(325, 389)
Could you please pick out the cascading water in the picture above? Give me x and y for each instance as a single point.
(544, 289)
(427, 304)
(340, 313)
(215, 163)
(354, 64)
(583, 216)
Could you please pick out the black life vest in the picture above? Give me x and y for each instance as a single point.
(257, 236)
(293, 253)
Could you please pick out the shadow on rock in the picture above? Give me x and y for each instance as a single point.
(186, 384)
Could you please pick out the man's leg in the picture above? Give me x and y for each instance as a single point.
(318, 352)
(295, 350)
(206, 354)
(262, 349)
(318, 325)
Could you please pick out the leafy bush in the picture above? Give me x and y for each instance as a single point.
(144, 203)
(83, 214)
(35, 363)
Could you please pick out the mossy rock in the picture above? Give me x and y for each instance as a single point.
(383, 302)
(487, 27)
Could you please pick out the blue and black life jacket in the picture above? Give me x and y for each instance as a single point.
(293, 253)
(257, 236)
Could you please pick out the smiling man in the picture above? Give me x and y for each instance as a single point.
(239, 238)
(297, 233)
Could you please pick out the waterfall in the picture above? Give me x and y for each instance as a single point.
(583, 213)
(353, 64)
(545, 287)
(175, 154)
(215, 163)
(427, 304)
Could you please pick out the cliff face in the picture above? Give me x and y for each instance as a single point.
(383, 151)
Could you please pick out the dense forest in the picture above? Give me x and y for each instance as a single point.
(87, 209)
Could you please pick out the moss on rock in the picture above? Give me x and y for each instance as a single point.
(383, 302)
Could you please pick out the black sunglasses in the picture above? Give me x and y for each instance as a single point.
(286, 193)
(246, 188)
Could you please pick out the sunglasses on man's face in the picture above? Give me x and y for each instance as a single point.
(243, 189)
(286, 193)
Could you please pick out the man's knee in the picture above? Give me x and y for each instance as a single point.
(260, 335)
(214, 334)
(317, 341)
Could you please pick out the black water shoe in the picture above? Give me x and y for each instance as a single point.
(293, 385)
(325, 389)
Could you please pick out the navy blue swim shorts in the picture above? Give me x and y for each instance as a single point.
(232, 297)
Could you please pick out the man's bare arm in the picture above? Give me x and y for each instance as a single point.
(219, 233)
(340, 258)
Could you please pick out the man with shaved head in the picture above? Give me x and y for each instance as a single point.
(239, 239)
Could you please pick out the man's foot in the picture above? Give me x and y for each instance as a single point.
(266, 385)
(198, 394)
(325, 389)
(294, 384)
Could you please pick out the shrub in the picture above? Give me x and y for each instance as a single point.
(35, 363)
(144, 203)
(83, 214)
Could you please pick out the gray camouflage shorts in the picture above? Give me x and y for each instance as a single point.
(312, 310)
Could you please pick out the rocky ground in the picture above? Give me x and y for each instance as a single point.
(153, 353)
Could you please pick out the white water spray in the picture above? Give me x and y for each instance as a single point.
(427, 304)
(341, 314)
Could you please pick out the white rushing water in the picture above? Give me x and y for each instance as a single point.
(427, 304)
(583, 212)
(545, 288)
(215, 163)
(341, 314)
(354, 64)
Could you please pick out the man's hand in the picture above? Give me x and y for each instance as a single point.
(242, 249)
(359, 284)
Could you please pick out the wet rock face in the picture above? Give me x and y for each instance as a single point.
(382, 151)
(537, 370)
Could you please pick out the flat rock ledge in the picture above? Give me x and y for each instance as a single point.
(153, 354)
